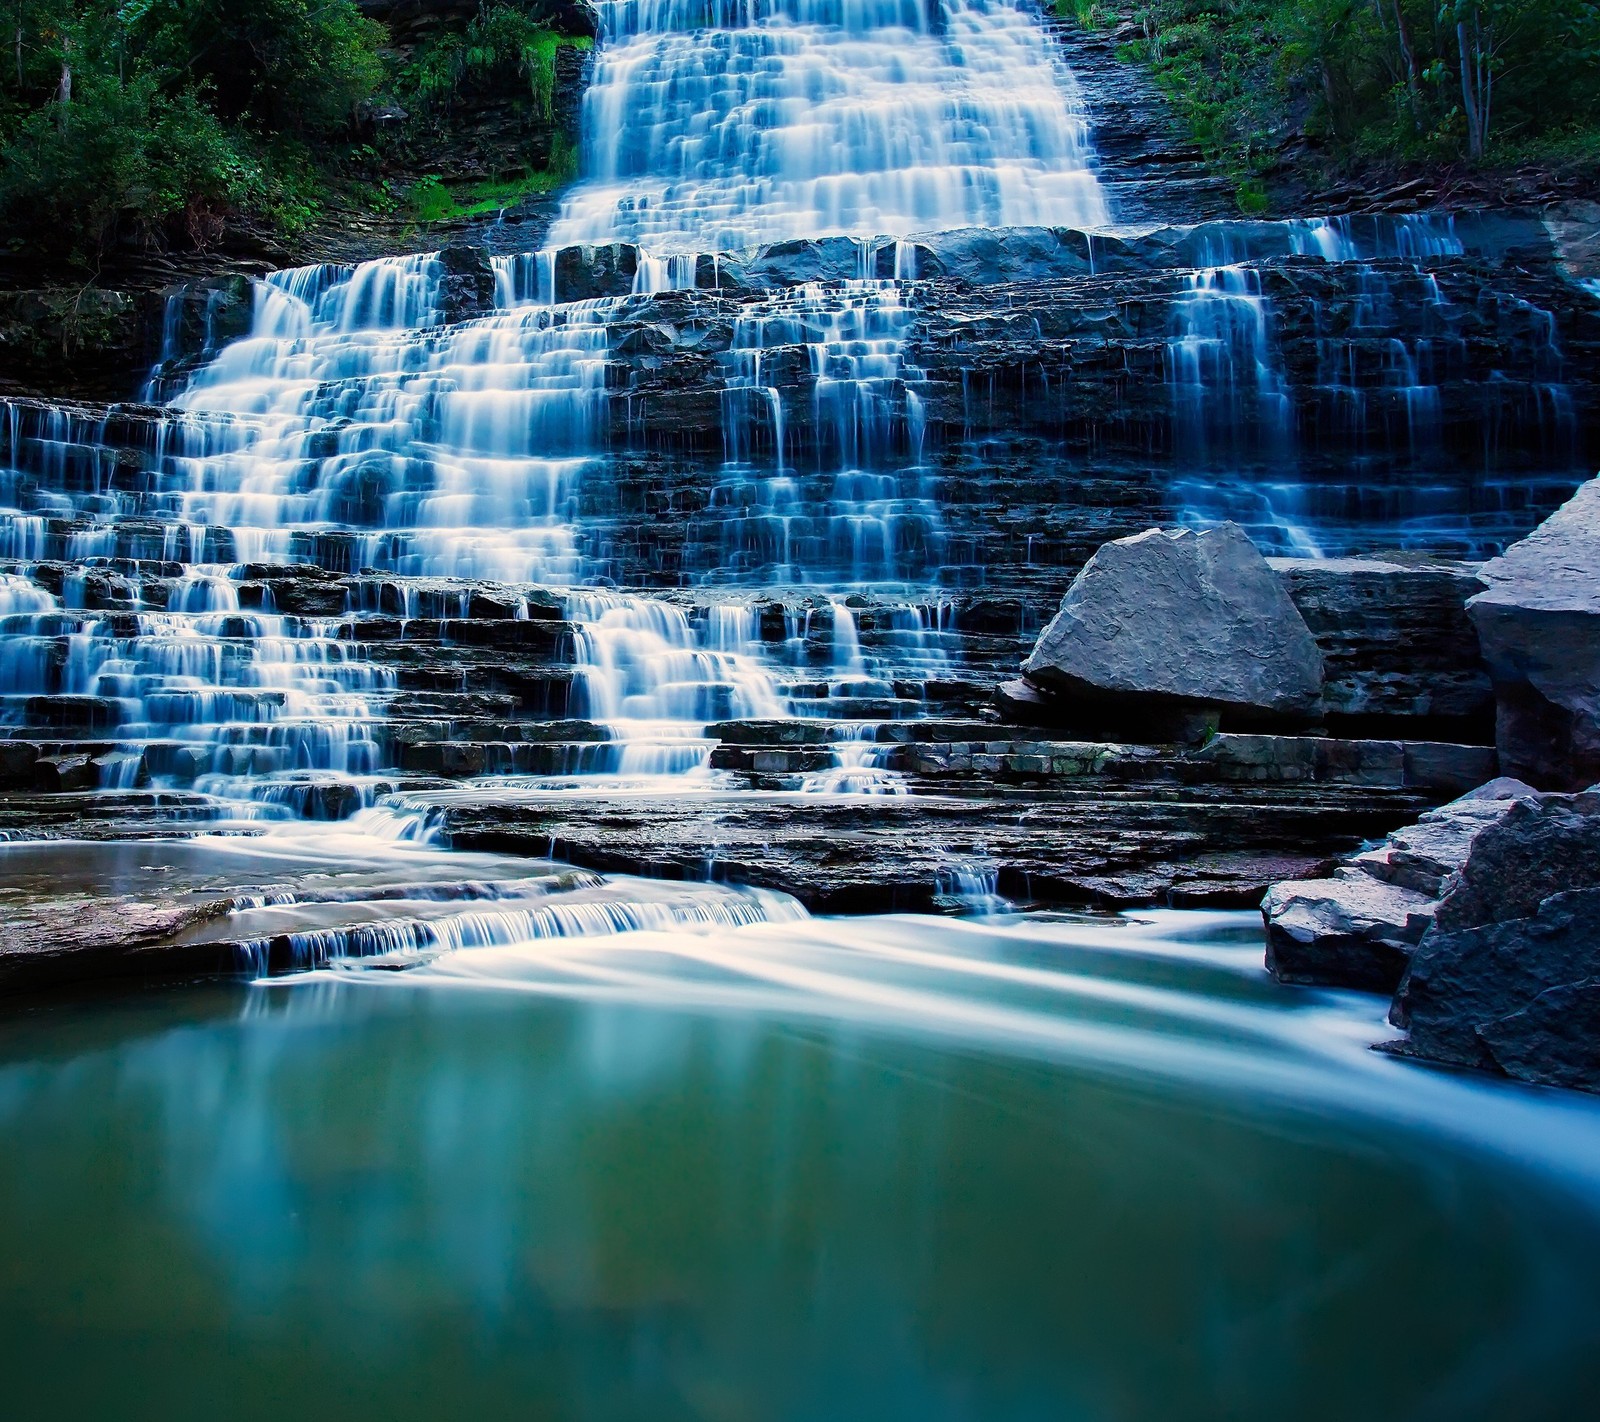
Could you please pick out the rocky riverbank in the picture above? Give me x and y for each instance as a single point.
(1478, 918)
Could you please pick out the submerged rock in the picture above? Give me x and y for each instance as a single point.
(1190, 618)
(1539, 625)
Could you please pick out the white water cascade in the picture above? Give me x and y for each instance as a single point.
(715, 126)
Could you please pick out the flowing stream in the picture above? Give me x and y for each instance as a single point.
(845, 1169)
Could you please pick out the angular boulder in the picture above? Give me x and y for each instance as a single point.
(1351, 931)
(1182, 618)
(1539, 627)
(1539, 847)
(1515, 996)
(1505, 979)
(1359, 928)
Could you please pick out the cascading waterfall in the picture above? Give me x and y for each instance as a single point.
(717, 126)
(1233, 406)
(444, 472)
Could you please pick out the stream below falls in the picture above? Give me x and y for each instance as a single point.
(1019, 1167)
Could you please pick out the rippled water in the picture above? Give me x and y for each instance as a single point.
(884, 1168)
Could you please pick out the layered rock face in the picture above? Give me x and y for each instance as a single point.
(749, 435)
(1539, 624)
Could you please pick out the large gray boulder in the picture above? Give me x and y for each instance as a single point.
(1539, 626)
(1187, 618)
(1508, 978)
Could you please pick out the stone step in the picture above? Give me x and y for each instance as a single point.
(1097, 844)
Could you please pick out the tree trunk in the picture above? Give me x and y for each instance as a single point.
(1408, 54)
(1469, 91)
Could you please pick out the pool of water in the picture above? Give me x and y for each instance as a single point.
(1023, 1168)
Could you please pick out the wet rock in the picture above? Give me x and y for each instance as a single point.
(1351, 931)
(1106, 846)
(1515, 995)
(204, 316)
(586, 272)
(1555, 1040)
(1359, 927)
(1539, 625)
(77, 939)
(1425, 856)
(1189, 618)
(467, 282)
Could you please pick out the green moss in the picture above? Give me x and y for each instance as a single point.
(432, 200)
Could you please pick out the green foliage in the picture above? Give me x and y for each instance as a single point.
(1490, 80)
(432, 200)
(122, 152)
(161, 120)
(502, 41)
(291, 66)
(1091, 14)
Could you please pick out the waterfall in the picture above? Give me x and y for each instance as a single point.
(720, 126)
(369, 540)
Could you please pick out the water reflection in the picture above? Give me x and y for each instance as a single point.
(887, 1168)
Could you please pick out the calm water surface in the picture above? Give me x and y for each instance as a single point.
(893, 1168)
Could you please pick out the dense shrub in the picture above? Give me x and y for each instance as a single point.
(160, 119)
(1482, 80)
(501, 42)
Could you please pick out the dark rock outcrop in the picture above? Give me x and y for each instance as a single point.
(1540, 847)
(1516, 996)
(1506, 978)
(466, 283)
(1360, 927)
(1539, 624)
(1189, 619)
(76, 940)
